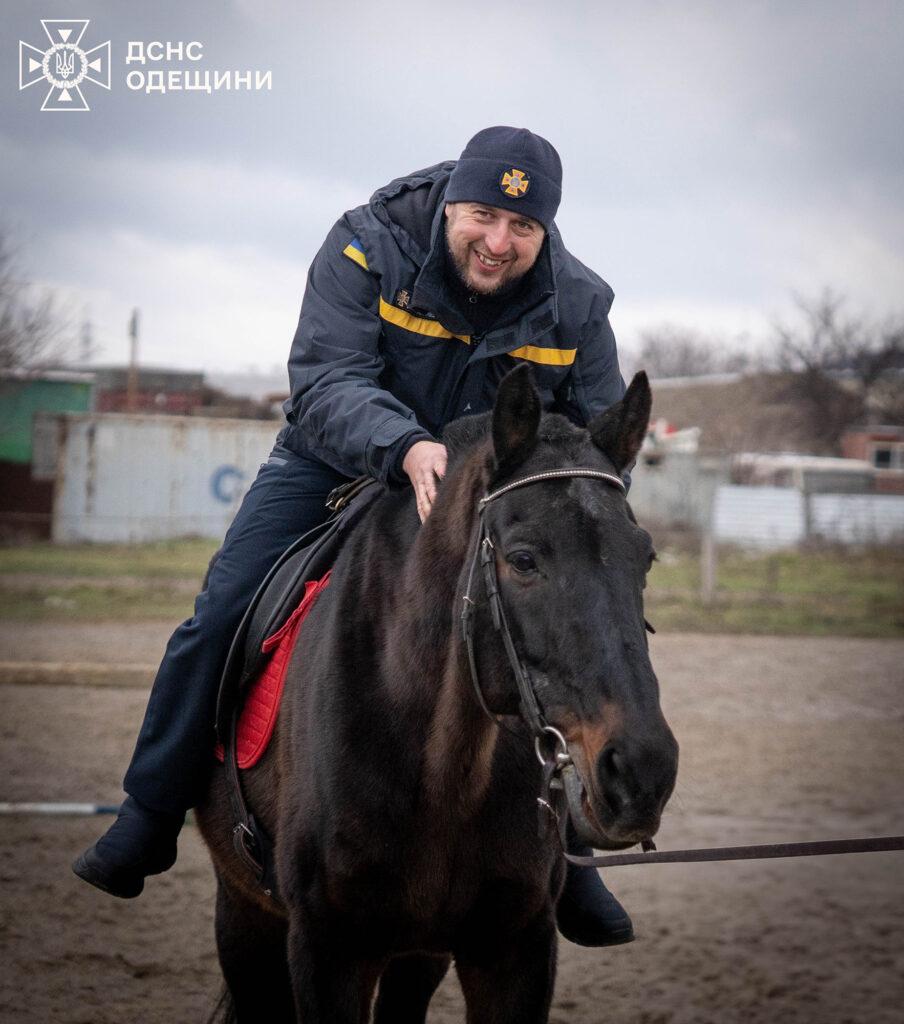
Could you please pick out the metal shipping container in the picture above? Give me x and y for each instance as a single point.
(128, 478)
(24, 395)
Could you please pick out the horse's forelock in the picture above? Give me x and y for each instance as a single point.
(461, 436)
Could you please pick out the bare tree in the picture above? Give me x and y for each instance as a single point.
(674, 351)
(878, 367)
(31, 324)
(840, 368)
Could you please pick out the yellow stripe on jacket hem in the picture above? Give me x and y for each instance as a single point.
(355, 254)
(417, 324)
(547, 356)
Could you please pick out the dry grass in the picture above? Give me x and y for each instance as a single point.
(816, 593)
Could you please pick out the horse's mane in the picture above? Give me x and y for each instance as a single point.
(461, 435)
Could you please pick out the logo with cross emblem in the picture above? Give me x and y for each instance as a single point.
(64, 65)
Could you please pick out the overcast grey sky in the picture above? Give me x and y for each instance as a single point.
(717, 155)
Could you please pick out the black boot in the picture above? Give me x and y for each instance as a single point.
(587, 913)
(140, 842)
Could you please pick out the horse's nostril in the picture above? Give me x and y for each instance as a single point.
(612, 762)
(610, 774)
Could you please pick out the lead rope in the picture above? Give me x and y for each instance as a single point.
(828, 847)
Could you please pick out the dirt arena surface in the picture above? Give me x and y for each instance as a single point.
(782, 739)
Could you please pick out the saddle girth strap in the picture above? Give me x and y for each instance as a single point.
(252, 844)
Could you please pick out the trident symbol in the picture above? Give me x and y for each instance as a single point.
(65, 63)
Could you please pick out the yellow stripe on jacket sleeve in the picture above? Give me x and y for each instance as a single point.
(547, 356)
(417, 324)
(354, 253)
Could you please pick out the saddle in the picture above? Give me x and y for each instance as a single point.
(307, 559)
(304, 563)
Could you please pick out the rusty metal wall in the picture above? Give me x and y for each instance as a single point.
(139, 478)
(25, 503)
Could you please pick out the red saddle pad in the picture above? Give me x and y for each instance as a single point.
(258, 717)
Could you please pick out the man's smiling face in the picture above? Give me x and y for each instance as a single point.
(491, 247)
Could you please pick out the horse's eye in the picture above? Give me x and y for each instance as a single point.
(522, 561)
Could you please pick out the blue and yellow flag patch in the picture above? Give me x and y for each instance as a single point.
(354, 252)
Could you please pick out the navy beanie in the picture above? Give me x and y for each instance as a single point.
(511, 168)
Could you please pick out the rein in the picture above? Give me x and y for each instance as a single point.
(560, 776)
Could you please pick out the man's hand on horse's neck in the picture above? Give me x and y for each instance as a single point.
(424, 462)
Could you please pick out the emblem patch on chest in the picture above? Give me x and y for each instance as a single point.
(402, 298)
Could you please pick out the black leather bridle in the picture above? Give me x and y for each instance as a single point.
(559, 771)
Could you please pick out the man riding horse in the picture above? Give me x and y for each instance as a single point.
(416, 306)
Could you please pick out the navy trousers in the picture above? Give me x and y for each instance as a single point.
(174, 752)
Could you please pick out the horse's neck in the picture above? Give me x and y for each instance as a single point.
(458, 750)
(430, 668)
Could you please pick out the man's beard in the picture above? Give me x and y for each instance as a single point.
(459, 265)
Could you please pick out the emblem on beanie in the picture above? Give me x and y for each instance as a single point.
(514, 183)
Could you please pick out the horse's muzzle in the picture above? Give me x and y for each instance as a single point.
(626, 786)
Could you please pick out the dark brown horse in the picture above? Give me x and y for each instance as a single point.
(404, 817)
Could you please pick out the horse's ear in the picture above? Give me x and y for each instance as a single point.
(516, 417)
(620, 430)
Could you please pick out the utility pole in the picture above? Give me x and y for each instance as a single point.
(132, 388)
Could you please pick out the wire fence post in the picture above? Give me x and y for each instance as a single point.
(708, 566)
(709, 555)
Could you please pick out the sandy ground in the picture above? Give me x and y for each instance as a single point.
(782, 739)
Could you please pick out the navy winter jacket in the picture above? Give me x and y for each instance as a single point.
(384, 355)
